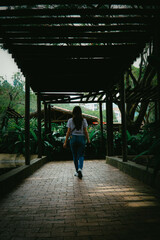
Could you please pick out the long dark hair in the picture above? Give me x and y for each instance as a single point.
(77, 117)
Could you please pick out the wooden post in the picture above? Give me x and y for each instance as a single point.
(109, 124)
(49, 117)
(123, 119)
(156, 52)
(27, 121)
(101, 125)
(101, 119)
(46, 117)
(39, 125)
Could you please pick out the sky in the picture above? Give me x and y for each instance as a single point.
(8, 66)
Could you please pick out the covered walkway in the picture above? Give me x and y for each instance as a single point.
(105, 204)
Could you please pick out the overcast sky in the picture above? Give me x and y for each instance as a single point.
(8, 67)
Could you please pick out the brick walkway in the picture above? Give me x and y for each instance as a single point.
(105, 204)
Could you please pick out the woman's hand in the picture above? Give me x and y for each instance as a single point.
(65, 145)
(67, 136)
(87, 136)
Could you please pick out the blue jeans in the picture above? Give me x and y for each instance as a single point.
(77, 144)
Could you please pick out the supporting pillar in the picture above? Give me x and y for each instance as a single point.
(156, 52)
(123, 120)
(101, 119)
(39, 125)
(109, 124)
(49, 118)
(27, 121)
(46, 117)
(101, 126)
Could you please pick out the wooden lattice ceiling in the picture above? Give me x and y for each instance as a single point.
(76, 45)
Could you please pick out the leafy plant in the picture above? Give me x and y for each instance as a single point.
(151, 141)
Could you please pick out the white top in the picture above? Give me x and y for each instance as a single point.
(71, 125)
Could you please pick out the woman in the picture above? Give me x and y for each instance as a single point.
(77, 131)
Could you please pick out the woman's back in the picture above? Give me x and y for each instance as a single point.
(74, 130)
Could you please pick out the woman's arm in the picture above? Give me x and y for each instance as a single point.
(67, 136)
(86, 134)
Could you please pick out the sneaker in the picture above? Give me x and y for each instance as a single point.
(80, 173)
(76, 174)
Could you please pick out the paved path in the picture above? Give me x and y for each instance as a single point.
(105, 204)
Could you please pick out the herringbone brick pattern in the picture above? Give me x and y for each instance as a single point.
(105, 204)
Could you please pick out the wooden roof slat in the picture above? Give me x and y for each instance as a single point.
(30, 35)
(114, 35)
(72, 40)
(75, 20)
(19, 42)
(111, 2)
(74, 29)
(78, 11)
(75, 51)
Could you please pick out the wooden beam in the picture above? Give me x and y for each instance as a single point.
(123, 38)
(71, 29)
(78, 11)
(75, 51)
(76, 20)
(101, 35)
(103, 2)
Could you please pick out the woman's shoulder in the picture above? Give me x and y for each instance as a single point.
(84, 121)
(69, 122)
(70, 119)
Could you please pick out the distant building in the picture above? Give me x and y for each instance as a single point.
(95, 106)
(117, 112)
(91, 106)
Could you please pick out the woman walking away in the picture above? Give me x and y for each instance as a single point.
(77, 131)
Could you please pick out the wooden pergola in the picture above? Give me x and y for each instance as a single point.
(67, 47)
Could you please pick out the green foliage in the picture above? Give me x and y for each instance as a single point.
(13, 96)
(12, 140)
(151, 144)
(96, 148)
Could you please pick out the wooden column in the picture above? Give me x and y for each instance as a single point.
(49, 118)
(109, 123)
(156, 53)
(101, 119)
(27, 121)
(39, 125)
(46, 117)
(101, 126)
(123, 120)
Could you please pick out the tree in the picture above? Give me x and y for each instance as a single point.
(13, 96)
(136, 81)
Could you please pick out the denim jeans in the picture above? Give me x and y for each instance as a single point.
(77, 144)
